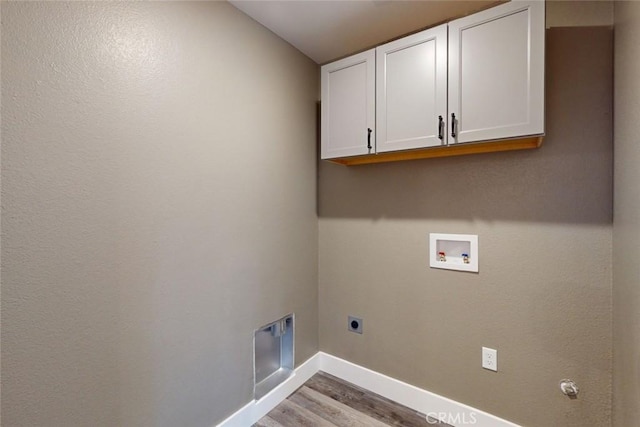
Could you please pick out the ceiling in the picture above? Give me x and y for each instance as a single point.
(327, 30)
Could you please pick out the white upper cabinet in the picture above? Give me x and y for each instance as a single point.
(476, 79)
(496, 73)
(411, 91)
(348, 106)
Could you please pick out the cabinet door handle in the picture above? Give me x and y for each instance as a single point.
(440, 128)
(369, 138)
(453, 125)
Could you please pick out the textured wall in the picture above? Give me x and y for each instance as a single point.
(158, 189)
(579, 13)
(543, 294)
(626, 228)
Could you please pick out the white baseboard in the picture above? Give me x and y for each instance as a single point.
(256, 409)
(420, 400)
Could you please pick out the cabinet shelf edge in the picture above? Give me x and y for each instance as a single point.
(446, 151)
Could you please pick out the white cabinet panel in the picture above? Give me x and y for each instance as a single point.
(496, 73)
(411, 91)
(478, 78)
(348, 106)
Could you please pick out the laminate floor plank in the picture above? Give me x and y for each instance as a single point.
(267, 421)
(328, 401)
(333, 411)
(367, 402)
(290, 414)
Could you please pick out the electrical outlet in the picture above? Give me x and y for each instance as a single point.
(355, 324)
(490, 359)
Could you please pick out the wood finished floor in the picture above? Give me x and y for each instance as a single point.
(327, 401)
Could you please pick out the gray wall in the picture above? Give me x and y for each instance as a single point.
(579, 13)
(626, 229)
(542, 297)
(158, 189)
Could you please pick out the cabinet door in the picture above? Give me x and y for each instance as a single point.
(348, 106)
(411, 91)
(496, 73)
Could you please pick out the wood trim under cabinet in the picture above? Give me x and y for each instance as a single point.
(445, 151)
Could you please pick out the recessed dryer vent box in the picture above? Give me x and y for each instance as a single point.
(453, 251)
(272, 355)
